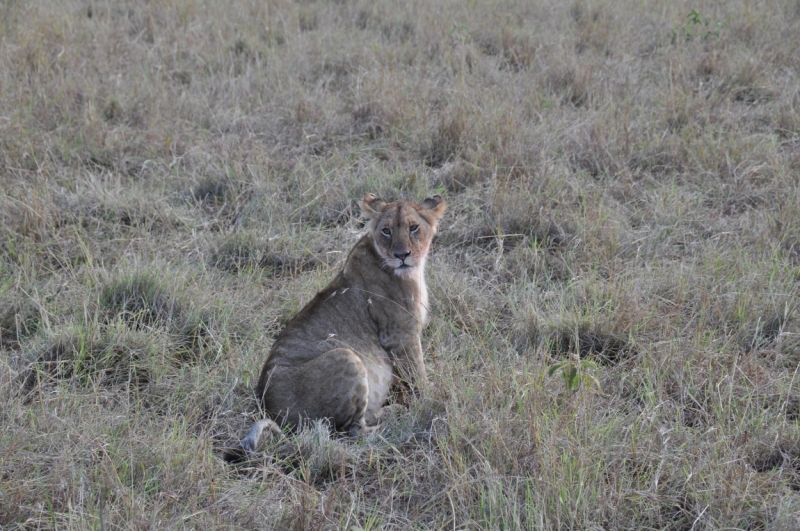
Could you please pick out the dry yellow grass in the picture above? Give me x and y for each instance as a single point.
(178, 177)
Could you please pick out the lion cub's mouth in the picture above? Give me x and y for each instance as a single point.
(403, 269)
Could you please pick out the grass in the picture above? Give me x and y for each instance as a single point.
(178, 178)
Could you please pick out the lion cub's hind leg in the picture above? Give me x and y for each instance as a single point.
(379, 375)
(345, 389)
(332, 386)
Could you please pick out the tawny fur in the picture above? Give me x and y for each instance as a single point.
(358, 340)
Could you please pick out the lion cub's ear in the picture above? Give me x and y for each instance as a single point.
(433, 208)
(371, 206)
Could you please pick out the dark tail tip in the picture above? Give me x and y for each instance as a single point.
(247, 448)
(237, 455)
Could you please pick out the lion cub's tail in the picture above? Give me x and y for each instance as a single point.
(247, 448)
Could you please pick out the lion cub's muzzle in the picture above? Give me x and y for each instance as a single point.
(404, 262)
(403, 255)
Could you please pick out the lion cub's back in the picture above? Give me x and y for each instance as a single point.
(337, 317)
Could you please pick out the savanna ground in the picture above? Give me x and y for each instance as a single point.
(179, 177)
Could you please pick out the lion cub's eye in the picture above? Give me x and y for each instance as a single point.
(386, 232)
(413, 228)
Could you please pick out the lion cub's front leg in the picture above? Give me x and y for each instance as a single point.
(405, 352)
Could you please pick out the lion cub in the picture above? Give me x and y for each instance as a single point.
(358, 338)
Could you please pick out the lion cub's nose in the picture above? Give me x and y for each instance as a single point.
(402, 255)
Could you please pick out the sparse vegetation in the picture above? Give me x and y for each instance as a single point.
(623, 179)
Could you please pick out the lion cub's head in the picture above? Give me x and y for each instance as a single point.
(402, 230)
